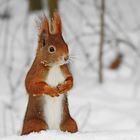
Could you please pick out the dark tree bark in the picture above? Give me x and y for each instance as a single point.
(102, 24)
(35, 5)
(52, 6)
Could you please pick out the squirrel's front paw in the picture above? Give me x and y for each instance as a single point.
(63, 88)
(52, 92)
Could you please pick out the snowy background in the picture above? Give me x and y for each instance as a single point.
(102, 111)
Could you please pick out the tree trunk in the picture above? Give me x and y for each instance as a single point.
(101, 41)
(52, 6)
(35, 5)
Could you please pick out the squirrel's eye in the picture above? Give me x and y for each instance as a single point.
(51, 49)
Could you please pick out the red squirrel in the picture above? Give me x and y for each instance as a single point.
(48, 81)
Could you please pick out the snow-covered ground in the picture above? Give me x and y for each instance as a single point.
(110, 111)
(53, 135)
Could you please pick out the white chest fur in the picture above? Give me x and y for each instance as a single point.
(54, 105)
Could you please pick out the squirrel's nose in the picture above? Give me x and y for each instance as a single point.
(66, 58)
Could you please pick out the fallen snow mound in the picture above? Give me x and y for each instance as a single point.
(55, 135)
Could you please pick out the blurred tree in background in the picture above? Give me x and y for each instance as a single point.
(101, 44)
(35, 5)
(51, 5)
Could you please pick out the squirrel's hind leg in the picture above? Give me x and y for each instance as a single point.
(33, 125)
(34, 118)
(68, 123)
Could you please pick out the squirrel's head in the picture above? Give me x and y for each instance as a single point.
(52, 49)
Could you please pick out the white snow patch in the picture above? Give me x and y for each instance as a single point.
(55, 135)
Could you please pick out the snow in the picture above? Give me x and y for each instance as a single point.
(110, 111)
(55, 135)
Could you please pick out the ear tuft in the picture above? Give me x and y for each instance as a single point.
(43, 30)
(57, 26)
(43, 25)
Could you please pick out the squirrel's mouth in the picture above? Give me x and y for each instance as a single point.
(59, 62)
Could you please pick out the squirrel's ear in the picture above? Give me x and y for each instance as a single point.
(43, 28)
(57, 26)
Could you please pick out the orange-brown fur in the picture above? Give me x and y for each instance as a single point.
(35, 80)
(117, 62)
